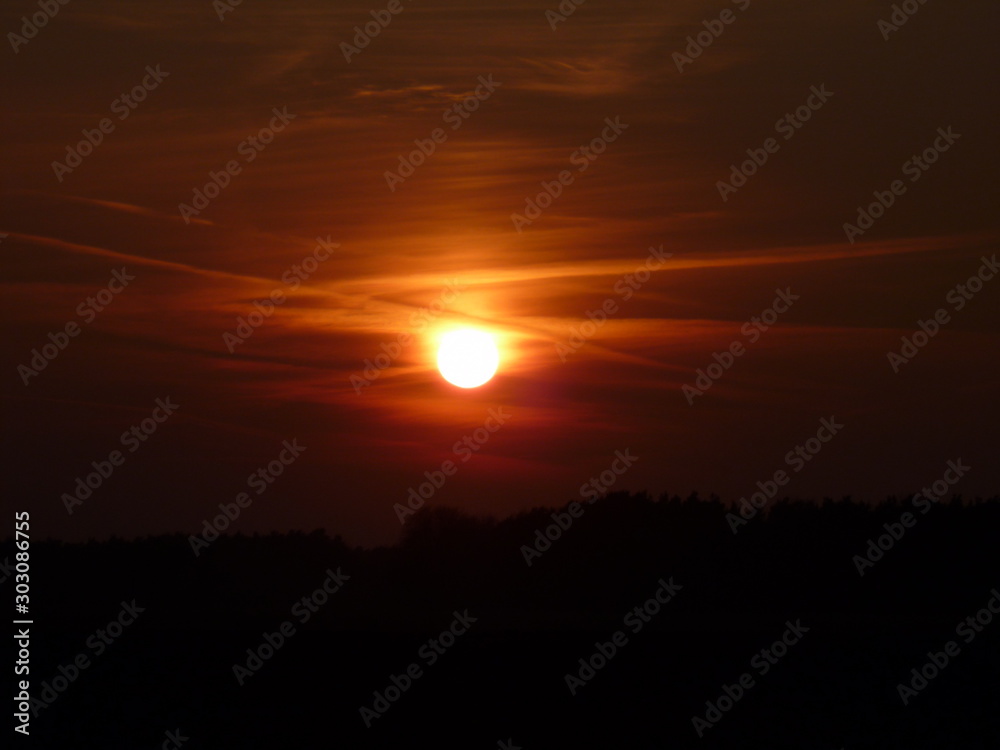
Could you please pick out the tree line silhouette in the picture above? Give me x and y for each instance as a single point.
(534, 622)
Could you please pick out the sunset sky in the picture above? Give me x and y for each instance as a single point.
(346, 123)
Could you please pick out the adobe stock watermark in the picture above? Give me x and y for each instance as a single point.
(593, 489)
(625, 288)
(123, 106)
(753, 329)
(131, 439)
(97, 644)
(174, 739)
(958, 296)
(462, 449)
(419, 320)
(796, 459)
(364, 35)
(597, 486)
(877, 548)
(291, 278)
(915, 167)
(222, 7)
(303, 611)
(786, 127)
(901, 13)
(429, 653)
(581, 158)
(47, 10)
(258, 481)
(249, 148)
(88, 310)
(635, 620)
(565, 10)
(762, 662)
(714, 28)
(967, 630)
(455, 116)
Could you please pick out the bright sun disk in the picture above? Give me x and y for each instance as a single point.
(467, 357)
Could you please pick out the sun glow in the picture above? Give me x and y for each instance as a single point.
(467, 357)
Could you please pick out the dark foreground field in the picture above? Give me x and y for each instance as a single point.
(500, 675)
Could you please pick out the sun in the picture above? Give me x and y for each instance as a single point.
(467, 357)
